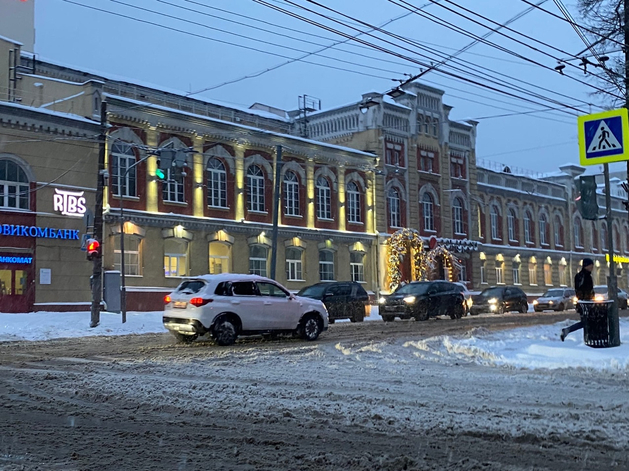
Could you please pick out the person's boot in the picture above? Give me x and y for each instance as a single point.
(564, 334)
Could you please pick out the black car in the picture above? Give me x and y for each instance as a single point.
(424, 299)
(343, 299)
(500, 299)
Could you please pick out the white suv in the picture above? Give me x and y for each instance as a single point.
(229, 305)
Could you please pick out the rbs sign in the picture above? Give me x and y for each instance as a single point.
(69, 203)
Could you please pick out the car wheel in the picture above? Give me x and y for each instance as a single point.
(561, 308)
(457, 312)
(224, 333)
(524, 308)
(388, 318)
(331, 321)
(310, 327)
(181, 338)
(500, 309)
(422, 316)
(358, 318)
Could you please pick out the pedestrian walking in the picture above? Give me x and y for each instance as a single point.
(584, 287)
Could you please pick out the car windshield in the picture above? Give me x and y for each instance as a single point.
(413, 288)
(600, 289)
(315, 291)
(491, 293)
(191, 286)
(553, 293)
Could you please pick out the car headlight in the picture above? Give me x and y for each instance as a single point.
(599, 297)
(493, 307)
(575, 300)
(493, 301)
(469, 303)
(382, 300)
(550, 302)
(535, 302)
(409, 299)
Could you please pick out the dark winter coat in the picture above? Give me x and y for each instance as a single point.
(584, 286)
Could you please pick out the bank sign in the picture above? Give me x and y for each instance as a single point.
(17, 230)
(69, 203)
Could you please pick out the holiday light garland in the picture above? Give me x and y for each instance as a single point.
(423, 264)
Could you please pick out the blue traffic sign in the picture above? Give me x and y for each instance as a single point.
(603, 137)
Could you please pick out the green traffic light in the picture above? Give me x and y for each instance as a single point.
(159, 173)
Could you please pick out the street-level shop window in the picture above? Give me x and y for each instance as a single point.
(516, 273)
(220, 258)
(563, 279)
(356, 264)
(483, 272)
(500, 273)
(172, 188)
(257, 260)
(324, 199)
(294, 264)
(255, 189)
(548, 274)
(132, 254)
(291, 194)
(326, 265)
(216, 183)
(463, 272)
(353, 202)
(123, 174)
(175, 257)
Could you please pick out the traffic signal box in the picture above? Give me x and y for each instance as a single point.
(93, 249)
(586, 201)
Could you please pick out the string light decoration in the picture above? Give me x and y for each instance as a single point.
(400, 244)
(450, 263)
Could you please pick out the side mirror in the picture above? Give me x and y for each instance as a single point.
(292, 297)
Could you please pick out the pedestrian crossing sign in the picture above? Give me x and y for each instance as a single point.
(604, 137)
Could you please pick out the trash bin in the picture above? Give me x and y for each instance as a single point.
(595, 319)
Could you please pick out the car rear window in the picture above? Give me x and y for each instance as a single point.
(491, 292)
(315, 291)
(554, 292)
(413, 288)
(191, 286)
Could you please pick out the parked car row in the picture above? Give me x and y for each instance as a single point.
(228, 305)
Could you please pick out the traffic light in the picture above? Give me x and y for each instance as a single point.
(165, 162)
(93, 249)
(586, 202)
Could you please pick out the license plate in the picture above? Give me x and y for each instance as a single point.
(390, 308)
(180, 304)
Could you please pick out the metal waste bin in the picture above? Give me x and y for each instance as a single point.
(595, 319)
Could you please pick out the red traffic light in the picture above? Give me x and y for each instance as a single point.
(93, 248)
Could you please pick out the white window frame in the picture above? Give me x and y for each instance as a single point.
(227, 257)
(563, 279)
(558, 242)
(353, 203)
(357, 267)
(483, 272)
(395, 213)
(258, 265)
(291, 194)
(511, 225)
(326, 267)
(121, 169)
(324, 199)
(457, 216)
(255, 189)
(14, 194)
(294, 266)
(500, 273)
(516, 273)
(132, 251)
(533, 274)
(216, 183)
(173, 188)
(428, 210)
(527, 228)
(493, 218)
(542, 230)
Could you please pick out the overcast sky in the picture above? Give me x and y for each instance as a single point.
(197, 53)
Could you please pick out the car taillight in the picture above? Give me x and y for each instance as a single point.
(200, 301)
(167, 299)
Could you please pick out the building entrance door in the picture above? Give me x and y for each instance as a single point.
(16, 289)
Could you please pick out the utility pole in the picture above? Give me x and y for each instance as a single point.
(276, 208)
(97, 279)
(612, 285)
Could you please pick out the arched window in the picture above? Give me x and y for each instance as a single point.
(353, 202)
(324, 199)
(216, 183)
(511, 225)
(494, 217)
(132, 254)
(395, 215)
(123, 175)
(543, 230)
(528, 228)
(558, 232)
(457, 215)
(326, 265)
(603, 237)
(257, 260)
(255, 189)
(220, 258)
(429, 215)
(356, 264)
(291, 194)
(14, 188)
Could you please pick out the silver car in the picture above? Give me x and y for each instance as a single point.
(556, 299)
(600, 294)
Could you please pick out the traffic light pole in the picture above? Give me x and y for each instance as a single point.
(276, 208)
(612, 285)
(97, 279)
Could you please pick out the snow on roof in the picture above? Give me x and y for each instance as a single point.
(180, 93)
(48, 112)
(13, 41)
(241, 126)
